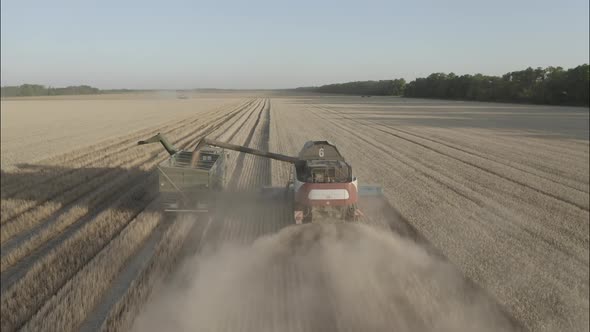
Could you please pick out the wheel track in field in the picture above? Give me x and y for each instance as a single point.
(500, 175)
(12, 250)
(8, 276)
(244, 167)
(135, 265)
(285, 277)
(482, 156)
(26, 291)
(244, 138)
(246, 226)
(16, 271)
(15, 242)
(555, 146)
(235, 132)
(105, 174)
(249, 221)
(73, 173)
(403, 227)
(398, 224)
(108, 144)
(407, 229)
(27, 235)
(253, 178)
(236, 174)
(60, 189)
(139, 162)
(121, 148)
(104, 149)
(471, 195)
(550, 241)
(373, 125)
(506, 231)
(250, 173)
(472, 164)
(506, 149)
(402, 161)
(133, 269)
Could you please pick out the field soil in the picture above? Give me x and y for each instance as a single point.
(484, 222)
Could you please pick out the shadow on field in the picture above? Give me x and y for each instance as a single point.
(533, 120)
(39, 184)
(71, 196)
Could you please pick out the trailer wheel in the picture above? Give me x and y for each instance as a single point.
(308, 217)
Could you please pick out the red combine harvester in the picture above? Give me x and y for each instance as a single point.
(321, 181)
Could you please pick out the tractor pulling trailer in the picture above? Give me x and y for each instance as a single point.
(321, 184)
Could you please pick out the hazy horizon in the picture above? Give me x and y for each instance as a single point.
(267, 45)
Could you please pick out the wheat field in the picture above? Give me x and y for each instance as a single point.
(495, 197)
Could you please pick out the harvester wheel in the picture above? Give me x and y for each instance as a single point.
(350, 213)
(308, 217)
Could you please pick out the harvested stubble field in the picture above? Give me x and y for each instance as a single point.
(489, 201)
(38, 127)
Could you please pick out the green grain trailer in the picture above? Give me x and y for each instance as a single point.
(188, 180)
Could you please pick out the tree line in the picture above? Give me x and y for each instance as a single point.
(28, 90)
(374, 88)
(551, 85)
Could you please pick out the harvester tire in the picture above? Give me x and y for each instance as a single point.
(350, 214)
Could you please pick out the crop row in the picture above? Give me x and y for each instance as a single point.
(43, 273)
(123, 312)
(36, 190)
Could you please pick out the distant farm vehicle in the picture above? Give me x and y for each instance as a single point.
(321, 184)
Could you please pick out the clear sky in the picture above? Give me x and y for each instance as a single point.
(280, 44)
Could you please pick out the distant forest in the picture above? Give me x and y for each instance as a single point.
(375, 88)
(551, 85)
(27, 90)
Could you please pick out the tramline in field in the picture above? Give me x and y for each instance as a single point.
(321, 185)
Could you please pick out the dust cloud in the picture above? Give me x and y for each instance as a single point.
(319, 277)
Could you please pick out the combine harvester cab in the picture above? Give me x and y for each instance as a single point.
(188, 181)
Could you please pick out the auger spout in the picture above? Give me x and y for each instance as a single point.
(160, 138)
(271, 155)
